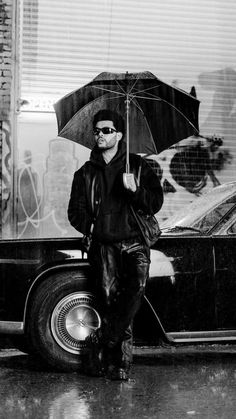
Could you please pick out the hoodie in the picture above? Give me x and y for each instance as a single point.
(98, 196)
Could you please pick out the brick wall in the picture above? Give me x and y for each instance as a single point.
(7, 11)
(7, 48)
(5, 56)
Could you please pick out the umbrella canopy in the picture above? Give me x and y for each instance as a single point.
(158, 115)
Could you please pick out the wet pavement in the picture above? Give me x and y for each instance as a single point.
(165, 383)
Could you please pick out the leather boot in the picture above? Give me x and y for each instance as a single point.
(93, 364)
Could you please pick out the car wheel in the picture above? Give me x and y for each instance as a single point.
(62, 314)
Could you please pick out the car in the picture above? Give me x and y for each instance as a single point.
(48, 297)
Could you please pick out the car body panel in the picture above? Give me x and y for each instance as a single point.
(225, 257)
(191, 291)
(186, 300)
(22, 262)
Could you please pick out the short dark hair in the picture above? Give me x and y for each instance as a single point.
(109, 115)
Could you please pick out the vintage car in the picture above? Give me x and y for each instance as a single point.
(48, 297)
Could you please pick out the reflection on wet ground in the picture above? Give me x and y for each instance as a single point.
(165, 383)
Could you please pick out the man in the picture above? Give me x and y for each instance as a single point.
(101, 196)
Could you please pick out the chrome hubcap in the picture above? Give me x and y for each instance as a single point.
(73, 319)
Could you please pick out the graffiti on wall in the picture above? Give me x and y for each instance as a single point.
(42, 199)
(188, 169)
(6, 178)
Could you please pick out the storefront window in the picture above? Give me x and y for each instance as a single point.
(46, 164)
(64, 45)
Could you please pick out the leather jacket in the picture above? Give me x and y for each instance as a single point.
(98, 195)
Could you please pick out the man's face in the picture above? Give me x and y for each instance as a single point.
(106, 140)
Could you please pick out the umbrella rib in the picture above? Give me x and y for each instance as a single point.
(132, 87)
(124, 93)
(137, 106)
(170, 104)
(112, 97)
(149, 88)
(181, 113)
(151, 136)
(109, 90)
(157, 98)
(122, 89)
(148, 95)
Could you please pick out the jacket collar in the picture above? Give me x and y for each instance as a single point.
(97, 159)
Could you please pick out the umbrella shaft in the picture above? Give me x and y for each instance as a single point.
(127, 134)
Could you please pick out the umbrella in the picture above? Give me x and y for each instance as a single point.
(157, 115)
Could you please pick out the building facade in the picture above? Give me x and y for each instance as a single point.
(8, 95)
(50, 48)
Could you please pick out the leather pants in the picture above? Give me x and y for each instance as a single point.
(121, 271)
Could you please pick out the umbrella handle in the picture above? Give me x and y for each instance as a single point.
(127, 102)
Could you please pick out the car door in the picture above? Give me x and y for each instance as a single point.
(225, 267)
(17, 262)
(184, 299)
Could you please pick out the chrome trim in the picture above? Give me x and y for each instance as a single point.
(214, 261)
(204, 336)
(155, 314)
(19, 261)
(9, 327)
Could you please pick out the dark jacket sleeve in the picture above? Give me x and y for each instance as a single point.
(78, 213)
(149, 194)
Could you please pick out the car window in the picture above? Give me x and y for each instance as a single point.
(201, 208)
(232, 229)
(213, 217)
(231, 224)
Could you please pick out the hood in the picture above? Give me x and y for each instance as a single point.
(96, 157)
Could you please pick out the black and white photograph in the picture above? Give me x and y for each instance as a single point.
(118, 209)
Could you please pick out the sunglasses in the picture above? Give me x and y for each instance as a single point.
(104, 130)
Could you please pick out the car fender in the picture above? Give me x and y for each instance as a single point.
(46, 271)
